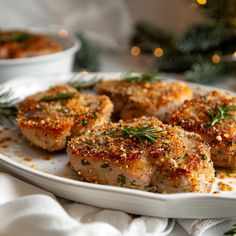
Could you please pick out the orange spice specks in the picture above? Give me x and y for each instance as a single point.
(8, 139)
(27, 159)
(225, 187)
(216, 192)
(46, 158)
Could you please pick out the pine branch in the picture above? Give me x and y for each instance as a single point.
(148, 37)
(176, 61)
(204, 73)
(205, 37)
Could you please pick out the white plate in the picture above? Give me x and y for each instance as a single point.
(51, 172)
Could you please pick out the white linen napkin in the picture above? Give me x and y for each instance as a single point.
(26, 210)
(207, 227)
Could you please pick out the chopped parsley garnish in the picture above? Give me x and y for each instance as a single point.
(143, 133)
(89, 142)
(85, 162)
(83, 122)
(139, 78)
(58, 96)
(104, 165)
(219, 113)
(121, 179)
(203, 157)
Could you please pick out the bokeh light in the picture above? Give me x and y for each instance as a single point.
(135, 51)
(216, 59)
(202, 2)
(158, 52)
(63, 33)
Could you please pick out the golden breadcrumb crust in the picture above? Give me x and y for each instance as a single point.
(144, 99)
(176, 154)
(62, 117)
(194, 116)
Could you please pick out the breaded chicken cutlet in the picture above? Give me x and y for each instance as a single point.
(48, 119)
(136, 99)
(213, 117)
(143, 154)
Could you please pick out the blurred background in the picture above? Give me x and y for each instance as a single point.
(193, 40)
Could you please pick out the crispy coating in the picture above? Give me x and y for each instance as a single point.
(179, 161)
(48, 124)
(194, 116)
(133, 100)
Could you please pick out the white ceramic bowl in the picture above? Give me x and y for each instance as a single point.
(60, 62)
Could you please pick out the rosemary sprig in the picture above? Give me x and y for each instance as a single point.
(80, 82)
(139, 78)
(220, 113)
(58, 96)
(8, 107)
(231, 232)
(143, 133)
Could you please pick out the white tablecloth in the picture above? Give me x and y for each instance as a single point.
(27, 210)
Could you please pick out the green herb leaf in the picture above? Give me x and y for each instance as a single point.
(58, 96)
(139, 78)
(121, 179)
(83, 122)
(143, 133)
(89, 141)
(220, 113)
(203, 157)
(231, 232)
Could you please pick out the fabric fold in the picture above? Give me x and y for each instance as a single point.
(26, 210)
